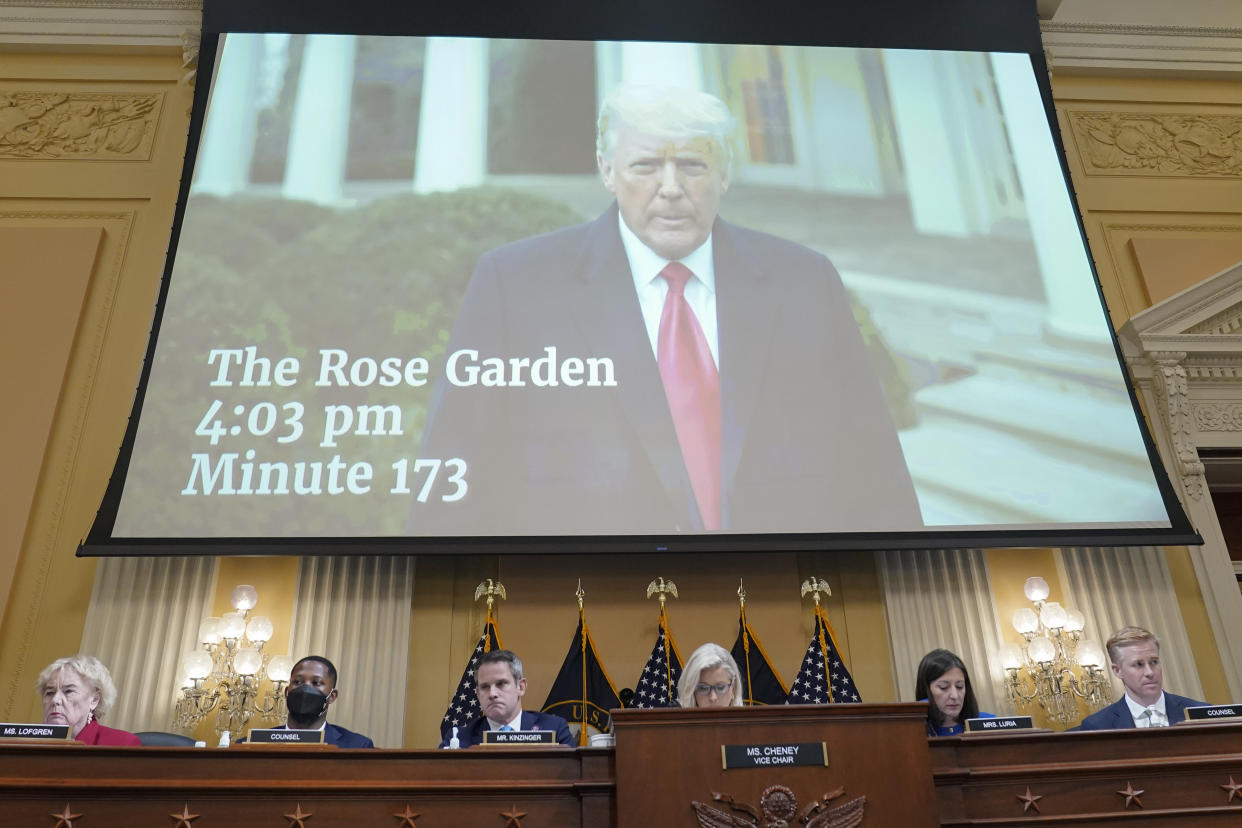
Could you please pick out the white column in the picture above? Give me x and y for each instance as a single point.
(452, 118)
(227, 146)
(945, 161)
(319, 132)
(1074, 307)
(662, 64)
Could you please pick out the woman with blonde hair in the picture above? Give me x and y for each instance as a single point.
(77, 691)
(710, 679)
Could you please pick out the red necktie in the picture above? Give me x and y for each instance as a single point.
(692, 387)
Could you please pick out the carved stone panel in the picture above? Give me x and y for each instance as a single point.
(1161, 144)
(78, 125)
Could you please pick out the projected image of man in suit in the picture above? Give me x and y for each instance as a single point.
(742, 397)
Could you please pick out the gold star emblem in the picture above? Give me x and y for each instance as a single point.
(1131, 795)
(514, 817)
(407, 817)
(65, 818)
(1234, 790)
(185, 817)
(298, 818)
(1030, 800)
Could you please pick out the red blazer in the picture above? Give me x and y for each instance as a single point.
(96, 734)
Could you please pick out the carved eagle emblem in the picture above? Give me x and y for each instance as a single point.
(777, 809)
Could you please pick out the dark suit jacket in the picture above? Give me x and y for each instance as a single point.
(339, 736)
(1117, 715)
(473, 732)
(808, 442)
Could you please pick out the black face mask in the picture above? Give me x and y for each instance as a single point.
(305, 703)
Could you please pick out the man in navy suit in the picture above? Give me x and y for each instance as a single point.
(1135, 656)
(311, 690)
(567, 405)
(500, 686)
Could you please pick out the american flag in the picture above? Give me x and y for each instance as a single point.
(657, 686)
(464, 707)
(823, 677)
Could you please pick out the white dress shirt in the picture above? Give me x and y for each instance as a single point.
(515, 722)
(645, 267)
(1158, 717)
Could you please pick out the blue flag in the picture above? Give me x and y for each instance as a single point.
(582, 693)
(760, 682)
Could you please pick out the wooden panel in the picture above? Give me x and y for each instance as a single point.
(673, 757)
(1182, 774)
(253, 785)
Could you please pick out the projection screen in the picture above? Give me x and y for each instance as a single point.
(414, 299)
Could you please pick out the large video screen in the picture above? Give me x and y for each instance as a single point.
(430, 288)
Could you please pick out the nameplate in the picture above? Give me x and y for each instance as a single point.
(1212, 712)
(284, 736)
(774, 754)
(999, 723)
(34, 731)
(519, 737)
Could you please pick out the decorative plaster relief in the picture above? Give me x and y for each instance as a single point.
(73, 125)
(1173, 392)
(1218, 417)
(1115, 143)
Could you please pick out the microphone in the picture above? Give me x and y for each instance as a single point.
(626, 696)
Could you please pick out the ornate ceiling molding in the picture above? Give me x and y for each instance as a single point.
(54, 25)
(1079, 47)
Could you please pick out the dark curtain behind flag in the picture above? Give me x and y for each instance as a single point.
(823, 677)
(657, 685)
(760, 682)
(582, 693)
(464, 707)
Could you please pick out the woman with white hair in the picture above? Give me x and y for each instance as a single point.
(76, 691)
(710, 679)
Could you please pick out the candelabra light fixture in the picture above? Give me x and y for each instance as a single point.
(226, 676)
(1054, 666)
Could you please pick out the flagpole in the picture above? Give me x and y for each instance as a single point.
(816, 586)
(582, 632)
(665, 588)
(741, 598)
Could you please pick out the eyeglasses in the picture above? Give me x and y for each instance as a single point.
(707, 689)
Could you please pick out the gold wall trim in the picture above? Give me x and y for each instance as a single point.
(1158, 144)
(45, 536)
(78, 125)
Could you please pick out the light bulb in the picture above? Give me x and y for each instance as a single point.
(1074, 621)
(260, 629)
(209, 631)
(1035, 589)
(1090, 654)
(247, 661)
(1053, 615)
(279, 668)
(232, 625)
(196, 664)
(1025, 621)
(244, 597)
(1011, 656)
(1041, 650)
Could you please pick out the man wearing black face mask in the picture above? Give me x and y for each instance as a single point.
(312, 688)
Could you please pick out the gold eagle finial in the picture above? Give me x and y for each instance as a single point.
(491, 589)
(816, 586)
(662, 588)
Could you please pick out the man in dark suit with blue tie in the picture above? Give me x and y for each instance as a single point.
(309, 694)
(500, 686)
(1135, 656)
(659, 369)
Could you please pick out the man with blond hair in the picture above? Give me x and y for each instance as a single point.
(1135, 656)
(730, 388)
